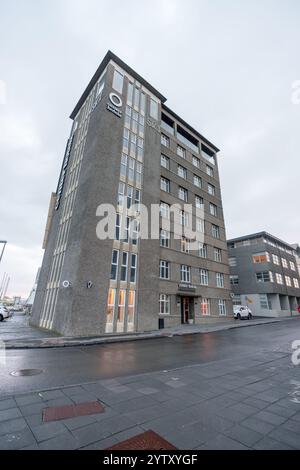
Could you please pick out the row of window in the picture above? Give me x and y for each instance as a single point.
(133, 145)
(264, 257)
(205, 306)
(185, 243)
(165, 185)
(181, 152)
(120, 262)
(185, 274)
(116, 311)
(268, 276)
(184, 220)
(165, 162)
(260, 240)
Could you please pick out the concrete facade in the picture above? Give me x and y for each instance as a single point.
(264, 275)
(119, 119)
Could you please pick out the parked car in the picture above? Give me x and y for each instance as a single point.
(4, 313)
(242, 312)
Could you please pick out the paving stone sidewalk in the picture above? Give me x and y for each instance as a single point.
(242, 403)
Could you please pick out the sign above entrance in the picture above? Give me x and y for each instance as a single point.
(186, 288)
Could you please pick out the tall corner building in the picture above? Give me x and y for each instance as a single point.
(127, 147)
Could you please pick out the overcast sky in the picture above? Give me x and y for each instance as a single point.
(227, 67)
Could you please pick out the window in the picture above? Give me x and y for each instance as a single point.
(202, 250)
(196, 162)
(213, 209)
(263, 257)
(200, 225)
(215, 231)
(129, 196)
(220, 280)
(184, 218)
(209, 170)
(165, 184)
(165, 162)
(185, 273)
(164, 269)
(121, 194)
(118, 226)
(296, 283)
(118, 82)
(130, 93)
(205, 307)
(185, 245)
(126, 230)
(182, 172)
(131, 308)
(133, 140)
(265, 302)
(143, 103)
(165, 210)
(131, 168)
(204, 277)
(164, 304)
(279, 279)
(232, 261)
(234, 280)
(284, 263)
(153, 109)
(133, 268)
(199, 202)
(136, 98)
(218, 255)
(126, 136)
(110, 310)
(139, 173)
(276, 260)
(288, 281)
(265, 276)
(135, 231)
(121, 306)
(140, 149)
(236, 299)
(197, 181)
(164, 238)
(180, 151)
(114, 265)
(124, 266)
(182, 194)
(222, 308)
(165, 140)
(292, 266)
(211, 189)
(123, 169)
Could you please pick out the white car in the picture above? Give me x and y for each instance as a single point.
(4, 313)
(242, 312)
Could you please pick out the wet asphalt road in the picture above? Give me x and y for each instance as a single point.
(66, 366)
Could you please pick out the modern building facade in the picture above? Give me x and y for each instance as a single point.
(264, 275)
(296, 247)
(129, 150)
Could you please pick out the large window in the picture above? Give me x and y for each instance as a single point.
(209, 171)
(165, 184)
(265, 276)
(288, 281)
(211, 190)
(276, 260)
(184, 218)
(165, 161)
(197, 181)
(185, 273)
(182, 172)
(165, 140)
(180, 151)
(133, 268)
(202, 250)
(129, 196)
(232, 261)
(222, 308)
(263, 257)
(234, 280)
(124, 162)
(205, 307)
(220, 279)
(185, 245)
(114, 265)
(204, 277)
(284, 263)
(200, 225)
(164, 269)
(164, 304)
(279, 278)
(296, 282)
(165, 210)
(292, 266)
(121, 307)
(110, 306)
(213, 210)
(121, 194)
(124, 266)
(196, 162)
(118, 227)
(118, 82)
(182, 194)
(218, 255)
(215, 231)
(199, 202)
(153, 109)
(130, 310)
(265, 302)
(164, 238)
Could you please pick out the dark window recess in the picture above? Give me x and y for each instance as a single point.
(187, 136)
(207, 152)
(167, 123)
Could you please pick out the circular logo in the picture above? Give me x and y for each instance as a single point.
(66, 284)
(116, 100)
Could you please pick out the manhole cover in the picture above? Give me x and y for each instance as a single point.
(147, 441)
(26, 372)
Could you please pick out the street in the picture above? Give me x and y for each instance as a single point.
(234, 389)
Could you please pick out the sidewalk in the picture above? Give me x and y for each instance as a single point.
(56, 342)
(247, 402)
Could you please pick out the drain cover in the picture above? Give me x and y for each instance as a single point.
(26, 372)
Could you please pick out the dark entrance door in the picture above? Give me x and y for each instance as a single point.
(185, 309)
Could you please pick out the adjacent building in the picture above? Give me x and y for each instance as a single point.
(128, 149)
(264, 275)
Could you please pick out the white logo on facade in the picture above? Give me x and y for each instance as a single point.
(66, 284)
(116, 100)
